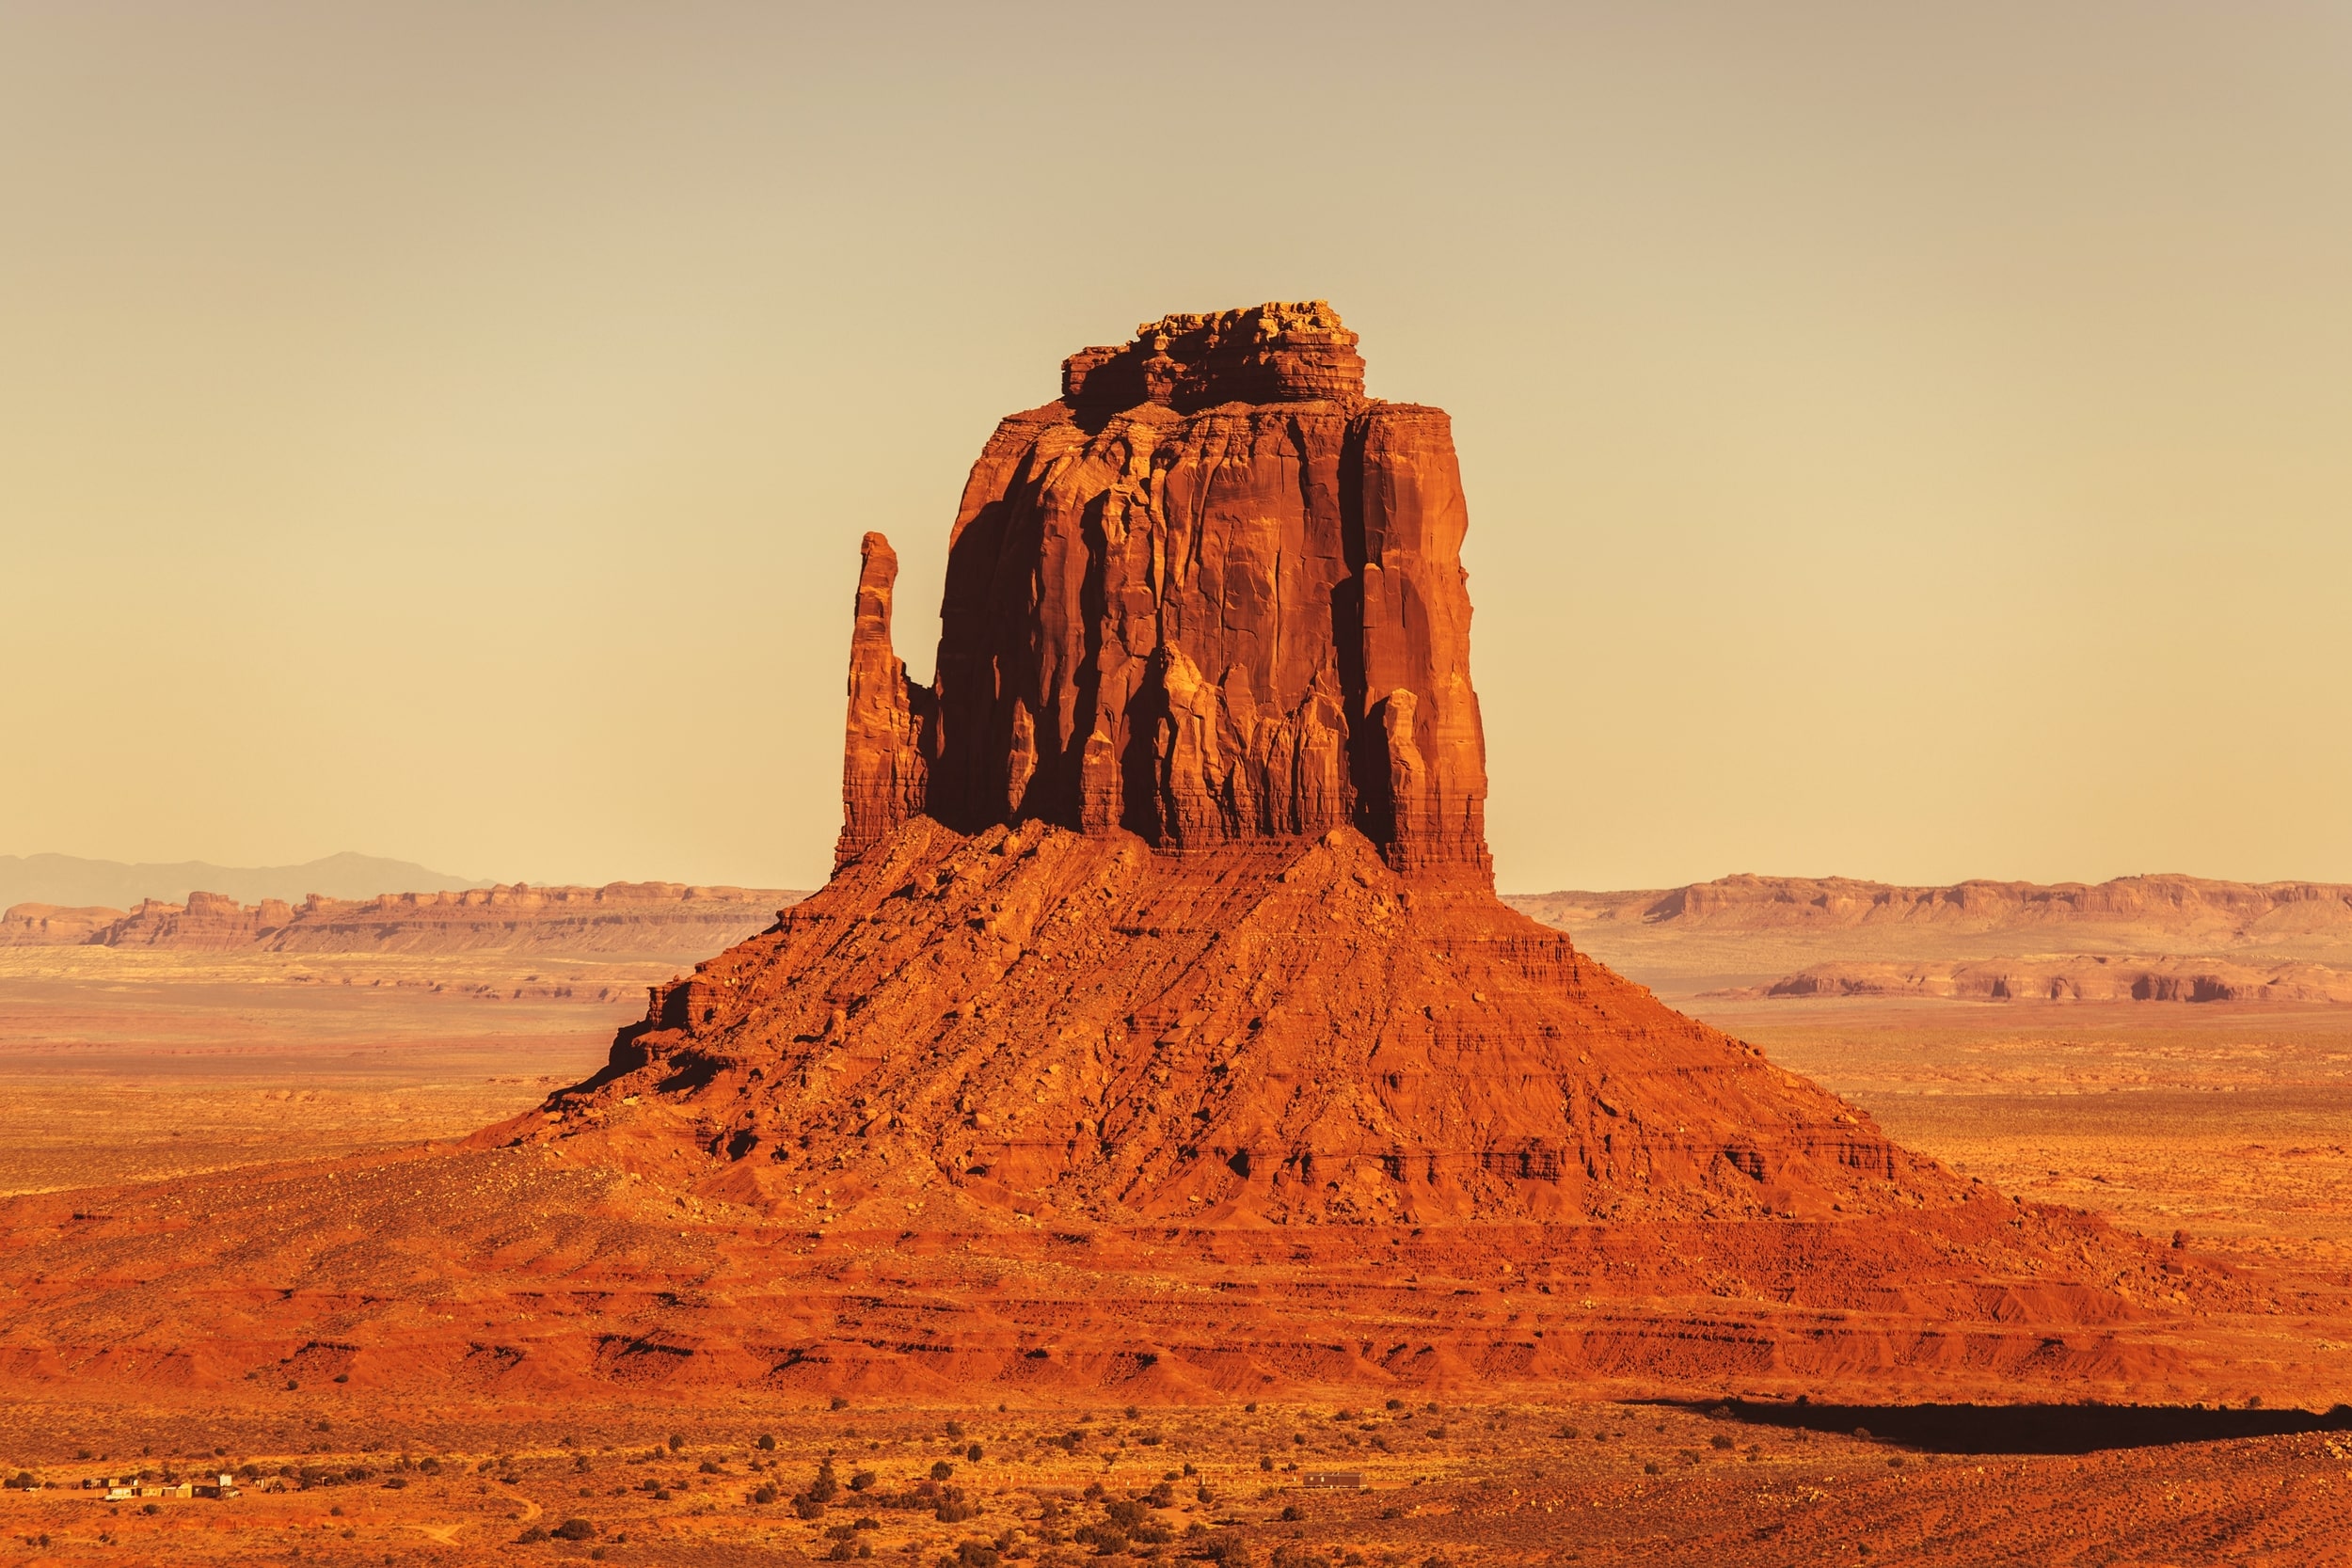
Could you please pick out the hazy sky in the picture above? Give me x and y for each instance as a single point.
(1908, 441)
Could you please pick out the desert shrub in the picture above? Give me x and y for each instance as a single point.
(1289, 1514)
(866, 1521)
(1229, 1551)
(807, 1507)
(1203, 1495)
(863, 1481)
(1687, 1456)
(1649, 1467)
(1093, 1493)
(1162, 1496)
(839, 1403)
(955, 1429)
(709, 1466)
(976, 1554)
(973, 1453)
(1292, 1553)
(765, 1494)
(767, 1443)
(532, 1536)
(573, 1530)
(1126, 1513)
(824, 1488)
(1132, 1413)
(395, 1483)
(1569, 1431)
(1265, 1461)
(1107, 1540)
(1722, 1440)
(941, 1470)
(954, 1507)
(840, 1551)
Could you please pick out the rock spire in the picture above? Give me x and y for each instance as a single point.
(1212, 594)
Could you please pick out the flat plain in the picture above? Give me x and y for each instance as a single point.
(126, 1065)
(2219, 1122)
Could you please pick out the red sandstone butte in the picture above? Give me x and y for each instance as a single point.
(1160, 1032)
(1212, 593)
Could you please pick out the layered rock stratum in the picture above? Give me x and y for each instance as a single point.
(638, 918)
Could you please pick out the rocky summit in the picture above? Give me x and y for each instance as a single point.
(1212, 595)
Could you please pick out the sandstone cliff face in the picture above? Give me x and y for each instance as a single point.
(1213, 595)
(52, 925)
(207, 922)
(883, 765)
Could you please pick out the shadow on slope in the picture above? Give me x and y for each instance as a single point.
(1992, 1428)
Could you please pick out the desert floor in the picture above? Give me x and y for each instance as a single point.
(2224, 1122)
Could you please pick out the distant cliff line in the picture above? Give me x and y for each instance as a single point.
(619, 917)
(2191, 906)
(597, 918)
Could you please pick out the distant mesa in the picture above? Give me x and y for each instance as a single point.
(2196, 907)
(53, 925)
(636, 918)
(2134, 939)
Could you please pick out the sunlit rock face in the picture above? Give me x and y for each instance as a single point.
(1212, 594)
